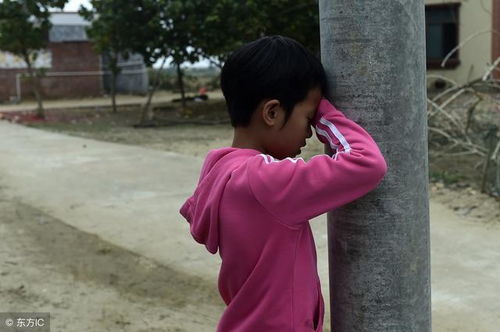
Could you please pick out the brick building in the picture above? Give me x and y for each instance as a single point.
(73, 69)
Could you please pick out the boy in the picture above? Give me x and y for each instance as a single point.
(254, 200)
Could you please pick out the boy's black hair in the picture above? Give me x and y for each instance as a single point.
(275, 67)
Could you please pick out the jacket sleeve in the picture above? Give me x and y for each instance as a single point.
(294, 191)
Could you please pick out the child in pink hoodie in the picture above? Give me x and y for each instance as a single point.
(254, 199)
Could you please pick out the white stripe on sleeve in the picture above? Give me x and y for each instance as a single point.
(336, 132)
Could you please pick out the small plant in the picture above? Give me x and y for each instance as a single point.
(445, 177)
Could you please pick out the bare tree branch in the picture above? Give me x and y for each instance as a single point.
(465, 41)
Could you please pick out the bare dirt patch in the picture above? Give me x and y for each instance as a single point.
(90, 285)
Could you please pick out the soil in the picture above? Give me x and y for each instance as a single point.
(89, 285)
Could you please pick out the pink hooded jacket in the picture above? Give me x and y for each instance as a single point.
(255, 210)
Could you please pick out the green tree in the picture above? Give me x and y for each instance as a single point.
(186, 18)
(297, 19)
(170, 30)
(109, 31)
(157, 29)
(229, 24)
(146, 37)
(24, 27)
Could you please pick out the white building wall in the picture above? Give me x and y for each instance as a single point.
(475, 18)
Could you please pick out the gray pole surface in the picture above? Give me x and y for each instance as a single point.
(379, 247)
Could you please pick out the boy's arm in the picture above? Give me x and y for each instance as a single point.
(295, 191)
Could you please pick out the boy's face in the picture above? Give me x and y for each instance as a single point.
(288, 141)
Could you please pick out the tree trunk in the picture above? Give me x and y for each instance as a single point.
(181, 85)
(35, 83)
(147, 112)
(113, 66)
(113, 90)
(379, 247)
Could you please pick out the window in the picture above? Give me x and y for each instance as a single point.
(441, 34)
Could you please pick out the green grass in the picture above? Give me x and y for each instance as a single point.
(447, 177)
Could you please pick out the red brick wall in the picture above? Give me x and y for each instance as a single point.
(8, 83)
(495, 42)
(66, 57)
(76, 56)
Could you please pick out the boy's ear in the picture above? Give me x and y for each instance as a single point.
(271, 110)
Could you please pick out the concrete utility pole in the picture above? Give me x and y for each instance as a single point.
(379, 248)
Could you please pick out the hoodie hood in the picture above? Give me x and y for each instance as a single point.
(201, 210)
